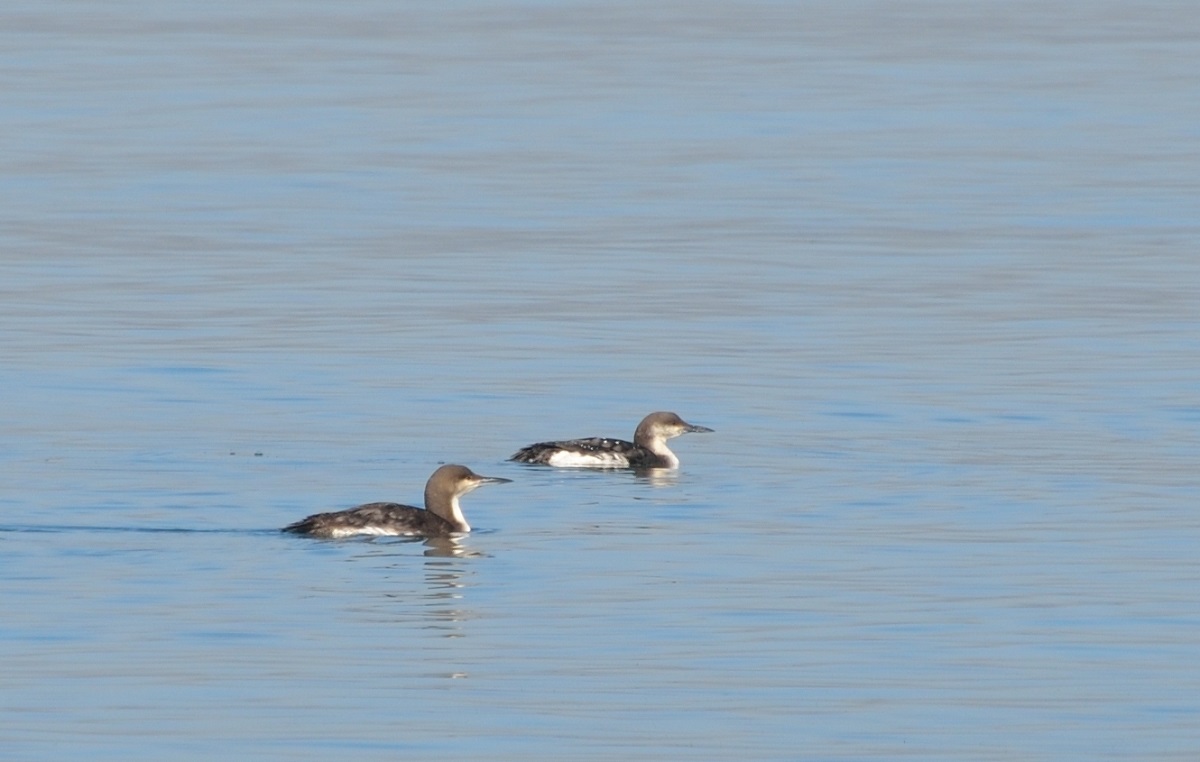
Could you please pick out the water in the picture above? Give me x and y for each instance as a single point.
(929, 270)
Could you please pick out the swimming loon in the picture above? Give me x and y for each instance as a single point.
(442, 515)
(647, 450)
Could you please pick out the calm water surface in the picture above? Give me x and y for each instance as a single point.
(930, 270)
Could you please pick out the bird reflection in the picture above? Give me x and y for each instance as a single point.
(439, 602)
(444, 606)
(421, 588)
(658, 477)
(452, 546)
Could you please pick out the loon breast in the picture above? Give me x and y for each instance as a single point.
(372, 530)
(567, 458)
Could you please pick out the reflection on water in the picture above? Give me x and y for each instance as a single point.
(455, 546)
(658, 477)
(445, 608)
(384, 546)
(447, 566)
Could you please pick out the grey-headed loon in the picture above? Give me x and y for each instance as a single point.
(647, 450)
(442, 515)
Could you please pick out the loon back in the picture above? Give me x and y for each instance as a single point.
(380, 519)
(594, 452)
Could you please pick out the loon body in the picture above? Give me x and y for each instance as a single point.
(647, 450)
(441, 517)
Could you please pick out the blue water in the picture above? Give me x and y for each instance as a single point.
(930, 271)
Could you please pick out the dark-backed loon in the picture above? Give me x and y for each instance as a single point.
(647, 450)
(442, 515)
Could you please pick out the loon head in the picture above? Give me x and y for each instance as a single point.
(659, 427)
(449, 483)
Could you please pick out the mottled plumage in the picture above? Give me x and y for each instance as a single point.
(647, 450)
(442, 515)
(374, 519)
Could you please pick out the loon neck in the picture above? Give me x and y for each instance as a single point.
(450, 511)
(658, 446)
(456, 516)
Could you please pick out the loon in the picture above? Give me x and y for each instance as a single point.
(647, 450)
(442, 516)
